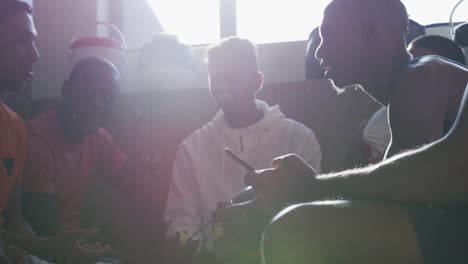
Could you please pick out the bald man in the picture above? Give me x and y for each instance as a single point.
(422, 95)
(376, 134)
(312, 64)
(67, 145)
(363, 42)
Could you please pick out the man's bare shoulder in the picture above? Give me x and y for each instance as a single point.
(435, 68)
(432, 74)
(423, 98)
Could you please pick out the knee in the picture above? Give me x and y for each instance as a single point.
(341, 231)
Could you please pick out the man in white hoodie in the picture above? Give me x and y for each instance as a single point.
(202, 175)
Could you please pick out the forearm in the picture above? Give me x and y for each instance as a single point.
(20, 225)
(181, 215)
(14, 220)
(426, 175)
(31, 243)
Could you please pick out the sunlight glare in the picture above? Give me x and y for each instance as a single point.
(193, 22)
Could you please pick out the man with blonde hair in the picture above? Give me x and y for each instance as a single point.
(202, 175)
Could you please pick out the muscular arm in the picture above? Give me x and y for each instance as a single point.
(28, 242)
(423, 175)
(417, 109)
(436, 173)
(17, 230)
(14, 219)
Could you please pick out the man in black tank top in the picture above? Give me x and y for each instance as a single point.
(363, 43)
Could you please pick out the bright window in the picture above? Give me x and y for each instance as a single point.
(265, 21)
(435, 11)
(192, 21)
(288, 20)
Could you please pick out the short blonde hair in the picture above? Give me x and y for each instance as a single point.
(234, 49)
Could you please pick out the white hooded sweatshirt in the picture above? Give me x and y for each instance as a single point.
(203, 175)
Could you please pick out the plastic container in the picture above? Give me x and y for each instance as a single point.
(98, 46)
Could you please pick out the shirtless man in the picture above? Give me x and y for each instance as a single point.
(376, 134)
(363, 42)
(420, 99)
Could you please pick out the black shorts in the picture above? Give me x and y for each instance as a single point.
(442, 233)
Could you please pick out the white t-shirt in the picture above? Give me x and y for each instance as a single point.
(377, 134)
